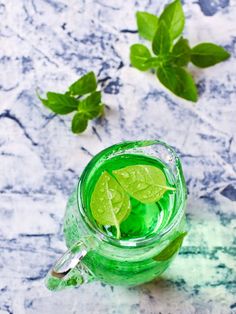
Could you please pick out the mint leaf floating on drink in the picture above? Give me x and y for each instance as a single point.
(129, 195)
(171, 249)
(172, 54)
(81, 98)
(145, 183)
(110, 204)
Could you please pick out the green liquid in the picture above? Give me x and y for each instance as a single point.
(144, 219)
(126, 265)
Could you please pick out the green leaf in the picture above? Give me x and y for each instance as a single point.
(86, 84)
(179, 81)
(173, 16)
(79, 123)
(102, 110)
(161, 42)
(147, 24)
(109, 204)
(207, 54)
(87, 108)
(145, 183)
(181, 52)
(60, 103)
(152, 62)
(171, 249)
(90, 106)
(139, 54)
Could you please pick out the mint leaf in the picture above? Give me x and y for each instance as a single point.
(152, 62)
(91, 106)
(171, 249)
(173, 16)
(181, 52)
(161, 42)
(170, 61)
(207, 54)
(94, 98)
(145, 183)
(147, 24)
(60, 103)
(87, 107)
(86, 84)
(109, 204)
(79, 123)
(179, 81)
(139, 54)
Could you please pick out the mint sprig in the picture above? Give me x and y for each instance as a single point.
(172, 52)
(81, 97)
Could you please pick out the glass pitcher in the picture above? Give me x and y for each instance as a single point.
(94, 255)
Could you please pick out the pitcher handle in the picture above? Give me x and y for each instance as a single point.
(69, 270)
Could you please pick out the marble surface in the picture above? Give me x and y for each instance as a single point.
(48, 44)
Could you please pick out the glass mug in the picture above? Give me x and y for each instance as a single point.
(93, 255)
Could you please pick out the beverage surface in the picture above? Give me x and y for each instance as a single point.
(137, 191)
(121, 183)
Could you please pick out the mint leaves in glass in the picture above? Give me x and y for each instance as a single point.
(81, 98)
(171, 52)
(128, 190)
(110, 204)
(125, 221)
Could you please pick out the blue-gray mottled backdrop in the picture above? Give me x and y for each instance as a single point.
(48, 44)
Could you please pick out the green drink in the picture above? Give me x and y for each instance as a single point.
(144, 219)
(125, 222)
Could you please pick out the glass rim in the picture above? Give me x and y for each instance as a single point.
(135, 242)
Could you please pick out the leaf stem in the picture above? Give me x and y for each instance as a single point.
(118, 235)
(116, 223)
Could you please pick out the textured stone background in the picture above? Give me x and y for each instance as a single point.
(48, 44)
